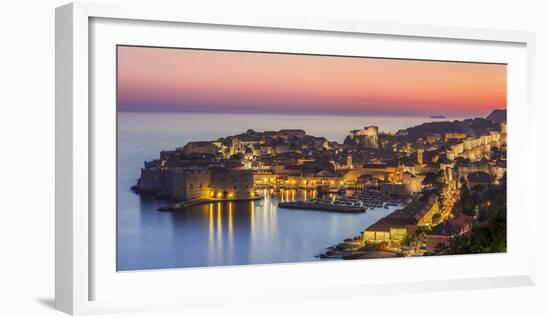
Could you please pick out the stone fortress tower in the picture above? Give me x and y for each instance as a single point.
(367, 136)
(420, 156)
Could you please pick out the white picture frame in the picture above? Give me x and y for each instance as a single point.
(77, 266)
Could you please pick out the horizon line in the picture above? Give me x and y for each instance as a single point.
(324, 114)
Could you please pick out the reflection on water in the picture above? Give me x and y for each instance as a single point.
(239, 232)
(224, 233)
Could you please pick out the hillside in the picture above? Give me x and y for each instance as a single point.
(472, 127)
(497, 116)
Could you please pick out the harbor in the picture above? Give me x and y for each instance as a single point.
(340, 201)
(358, 202)
(182, 206)
(236, 232)
(274, 167)
(323, 205)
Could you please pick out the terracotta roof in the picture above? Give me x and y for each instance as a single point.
(409, 215)
(453, 226)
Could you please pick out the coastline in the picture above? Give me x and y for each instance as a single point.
(351, 249)
(180, 206)
(245, 232)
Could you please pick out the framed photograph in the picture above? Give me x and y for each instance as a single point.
(275, 158)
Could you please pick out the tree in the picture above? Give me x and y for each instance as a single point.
(434, 179)
(490, 235)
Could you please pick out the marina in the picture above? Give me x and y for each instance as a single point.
(276, 166)
(372, 198)
(290, 213)
(324, 205)
(357, 202)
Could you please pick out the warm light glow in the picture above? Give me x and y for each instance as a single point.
(221, 81)
(219, 236)
(211, 226)
(230, 222)
(252, 221)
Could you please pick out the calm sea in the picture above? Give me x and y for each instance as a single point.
(226, 233)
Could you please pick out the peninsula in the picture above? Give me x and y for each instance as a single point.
(432, 171)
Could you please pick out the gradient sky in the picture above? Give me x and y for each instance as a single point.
(185, 80)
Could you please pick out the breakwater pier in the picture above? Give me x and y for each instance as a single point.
(322, 206)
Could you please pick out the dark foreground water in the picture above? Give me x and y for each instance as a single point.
(225, 233)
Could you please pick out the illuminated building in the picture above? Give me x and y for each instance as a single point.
(367, 136)
(180, 184)
(455, 136)
(397, 225)
(350, 162)
(419, 156)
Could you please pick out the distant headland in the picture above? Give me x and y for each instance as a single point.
(497, 116)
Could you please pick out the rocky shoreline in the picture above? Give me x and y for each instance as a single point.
(355, 249)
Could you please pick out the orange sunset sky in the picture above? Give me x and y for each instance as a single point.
(187, 80)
